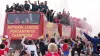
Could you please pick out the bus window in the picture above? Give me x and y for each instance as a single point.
(35, 18)
(23, 18)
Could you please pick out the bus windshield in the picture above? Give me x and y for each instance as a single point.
(32, 18)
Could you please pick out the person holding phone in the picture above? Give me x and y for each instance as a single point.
(31, 47)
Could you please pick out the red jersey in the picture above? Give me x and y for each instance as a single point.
(2, 51)
(50, 54)
(65, 47)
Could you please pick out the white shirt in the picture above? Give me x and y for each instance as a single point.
(31, 48)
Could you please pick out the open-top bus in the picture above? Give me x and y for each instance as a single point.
(34, 25)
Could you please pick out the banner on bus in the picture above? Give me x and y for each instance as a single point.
(17, 31)
(66, 31)
(51, 29)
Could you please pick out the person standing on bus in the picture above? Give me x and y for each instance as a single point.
(41, 7)
(17, 21)
(45, 7)
(26, 6)
(34, 6)
(7, 8)
(50, 15)
(45, 4)
(31, 47)
(95, 42)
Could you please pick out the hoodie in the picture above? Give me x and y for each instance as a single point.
(94, 41)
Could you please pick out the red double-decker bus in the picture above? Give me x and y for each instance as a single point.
(34, 25)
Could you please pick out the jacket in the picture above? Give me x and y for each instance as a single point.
(94, 41)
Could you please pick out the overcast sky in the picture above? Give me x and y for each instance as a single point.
(89, 9)
(77, 8)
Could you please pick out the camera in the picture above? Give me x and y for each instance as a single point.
(32, 53)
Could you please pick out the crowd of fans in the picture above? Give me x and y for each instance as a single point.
(53, 47)
(40, 7)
